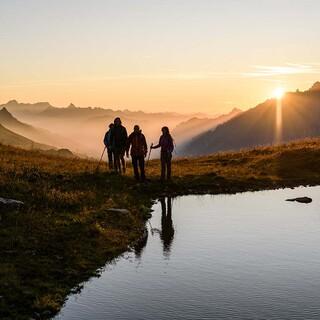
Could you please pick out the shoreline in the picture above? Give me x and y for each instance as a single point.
(66, 231)
(142, 239)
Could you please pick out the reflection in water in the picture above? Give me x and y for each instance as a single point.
(140, 245)
(167, 233)
(167, 230)
(244, 256)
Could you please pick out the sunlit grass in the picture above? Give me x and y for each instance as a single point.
(65, 232)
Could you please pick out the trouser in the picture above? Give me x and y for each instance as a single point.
(138, 161)
(110, 158)
(118, 160)
(165, 165)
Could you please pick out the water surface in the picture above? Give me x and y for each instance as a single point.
(244, 256)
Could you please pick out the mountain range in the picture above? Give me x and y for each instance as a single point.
(7, 137)
(82, 129)
(86, 127)
(193, 127)
(300, 118)
(34, 133)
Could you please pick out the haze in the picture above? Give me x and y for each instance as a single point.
(178, 55)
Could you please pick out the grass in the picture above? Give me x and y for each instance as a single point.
(66, 232)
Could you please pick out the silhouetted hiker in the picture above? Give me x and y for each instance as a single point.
(139, 149)
(118, 139)
(107, 143)
(167, 230)
(166, 144)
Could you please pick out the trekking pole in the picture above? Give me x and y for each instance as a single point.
(176, 153)
(101, 158)
(150, 152)
(175, 147)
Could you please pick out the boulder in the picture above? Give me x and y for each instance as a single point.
(301, 199)
(10, 203)
(119, 211)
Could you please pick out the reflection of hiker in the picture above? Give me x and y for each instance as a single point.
(118, 140)
(141, 244)
(107, 143)
(166, 144)
(138, 152)
(167, 230)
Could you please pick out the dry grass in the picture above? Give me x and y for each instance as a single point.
(65, 232)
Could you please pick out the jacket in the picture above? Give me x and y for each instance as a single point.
(138, 144)
(107, 139)
(118, 137)
(166, 144)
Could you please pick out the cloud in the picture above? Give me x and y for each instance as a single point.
(287, 69)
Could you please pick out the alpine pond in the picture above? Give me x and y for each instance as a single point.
(244, 256)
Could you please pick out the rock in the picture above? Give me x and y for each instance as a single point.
(301, 199)
(10, 204)
(119, 211)
(148, 215)
(47, 314)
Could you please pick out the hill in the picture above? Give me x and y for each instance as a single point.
(8, 137)
(257, 126)
(66, 231)
(82, 129)
(37, 134)
(186, 130)
(21, 108)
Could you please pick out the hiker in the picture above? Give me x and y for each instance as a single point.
(118, 138)
(107, 143)
(166, 144)
(138, 152)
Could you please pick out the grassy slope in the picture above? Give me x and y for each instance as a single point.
(65, 232)
(9, 137)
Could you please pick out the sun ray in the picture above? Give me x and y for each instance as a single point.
(278, 93)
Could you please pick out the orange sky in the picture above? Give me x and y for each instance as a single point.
(184, 56)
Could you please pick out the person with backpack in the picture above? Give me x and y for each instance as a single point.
(139, 149)
(107, 143)
(166, 145)
(118, 138)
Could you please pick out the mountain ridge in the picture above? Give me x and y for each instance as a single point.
(257, 126)
(193, 127)
(33, 133)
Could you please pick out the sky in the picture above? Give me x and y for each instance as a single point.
(157, 55)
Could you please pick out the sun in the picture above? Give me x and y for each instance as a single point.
(278, 93)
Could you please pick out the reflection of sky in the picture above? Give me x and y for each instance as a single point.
(243, 256)
(160, 53)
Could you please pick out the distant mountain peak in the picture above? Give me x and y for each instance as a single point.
(5, 114)
(12, 102)
(235, 110)
(71, 106)
(315, 86)
(4, 110)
